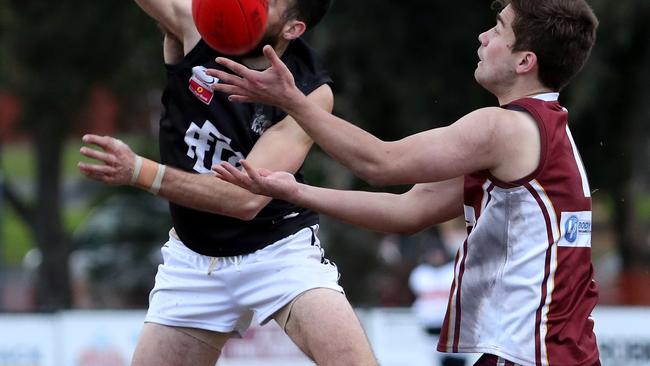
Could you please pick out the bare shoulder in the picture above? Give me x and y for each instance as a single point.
(517, 126)
(487, 118)
(506, 142)
(483, 127)
(500, 123)
(518, 139)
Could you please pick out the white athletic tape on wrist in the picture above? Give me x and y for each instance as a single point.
(149, 175)
(136, 169)
(157, 182)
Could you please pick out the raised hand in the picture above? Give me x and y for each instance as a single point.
(280, 185)
(273, 86)
(116, 157)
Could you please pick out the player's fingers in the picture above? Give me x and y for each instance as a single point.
(93, 173)
(96, 168)
(270, 54)
(236, 67)
(252, 173)
(95, 154)
(224, 77)
(240, 178)
(228, 89)
(264, 172)
(248, 168)
(240, 99)
(222, 173)
(101, 141)
(275, 60)
(225, 170)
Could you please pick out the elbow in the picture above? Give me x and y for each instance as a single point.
(407, 231)
(376, 182)
(410, 228)
(374, 174)
(373, 180)
(247, 211)
(382, 171)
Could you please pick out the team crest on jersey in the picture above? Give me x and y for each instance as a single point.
(260, 121)
(201, 84)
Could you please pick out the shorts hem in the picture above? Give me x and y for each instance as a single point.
(192, 324)
(495, 352)
(267, 316)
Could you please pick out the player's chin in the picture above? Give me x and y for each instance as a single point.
(479, 75)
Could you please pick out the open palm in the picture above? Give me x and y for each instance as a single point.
(280, 185)
(273, 86)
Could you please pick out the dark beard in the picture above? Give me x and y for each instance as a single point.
(271, 39)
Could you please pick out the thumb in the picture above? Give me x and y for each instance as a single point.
(264, 172)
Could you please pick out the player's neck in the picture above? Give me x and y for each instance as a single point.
(521, 91)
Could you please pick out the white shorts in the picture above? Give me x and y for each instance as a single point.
(224, 294)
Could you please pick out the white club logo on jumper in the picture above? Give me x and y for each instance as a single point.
(260, 121)
(207, 141)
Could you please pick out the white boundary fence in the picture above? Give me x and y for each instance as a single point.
(107, 338)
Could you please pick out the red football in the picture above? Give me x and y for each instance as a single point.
(232, 27)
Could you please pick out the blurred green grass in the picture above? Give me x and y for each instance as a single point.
(18, 167)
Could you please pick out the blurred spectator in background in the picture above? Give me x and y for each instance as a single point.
(430, 282)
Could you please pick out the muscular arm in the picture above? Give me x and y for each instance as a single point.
(175, 17)
(481, 140)
(431, 156)
(282, 147)
(424, 205)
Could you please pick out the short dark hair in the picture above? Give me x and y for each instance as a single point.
(308, 11)
(560, 32)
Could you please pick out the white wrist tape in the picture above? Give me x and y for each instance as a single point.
(157, 182)
(136, 169)
(148, 174)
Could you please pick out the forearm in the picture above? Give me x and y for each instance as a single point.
(422, 206)
(361, 152)
(174, 16)
(374, 211)
(206, 193)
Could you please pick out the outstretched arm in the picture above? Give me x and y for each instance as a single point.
(175, 18)
(440, 154)
(282, 147)
(424, 205)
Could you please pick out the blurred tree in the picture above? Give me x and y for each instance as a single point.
(55, 54)
(611, 111)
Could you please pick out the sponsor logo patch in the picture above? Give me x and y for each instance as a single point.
(575, 229)
(201, 84)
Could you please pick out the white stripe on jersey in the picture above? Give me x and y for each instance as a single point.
(452, 301)
(550, 282)
(581, 167)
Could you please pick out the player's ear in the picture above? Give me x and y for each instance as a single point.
(293, 29)
(527, 62)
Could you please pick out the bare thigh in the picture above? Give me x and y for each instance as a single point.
(161, 345)
(323, 324)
